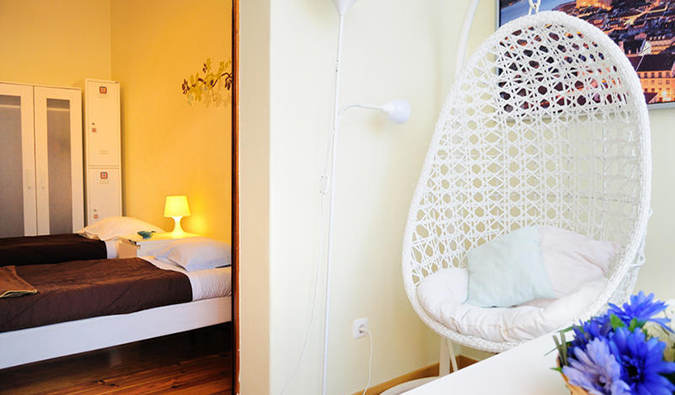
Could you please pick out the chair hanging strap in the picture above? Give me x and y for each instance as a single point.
(534, 6)
(466, 29)
(464, 35)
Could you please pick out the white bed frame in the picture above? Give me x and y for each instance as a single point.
(50, 341)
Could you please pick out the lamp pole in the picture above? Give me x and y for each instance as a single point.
(329, 247)
(398, 111)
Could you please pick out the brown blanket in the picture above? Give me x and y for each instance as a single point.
(76, 290)
(11, 285)
(35, 250)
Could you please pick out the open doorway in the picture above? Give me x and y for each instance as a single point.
(172, 142)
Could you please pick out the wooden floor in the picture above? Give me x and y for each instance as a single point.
(196, 362)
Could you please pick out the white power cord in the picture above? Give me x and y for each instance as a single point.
(323, 189)
(370, 357)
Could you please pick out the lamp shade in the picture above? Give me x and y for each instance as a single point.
(176, 206)
(343, 6)
(397, 110)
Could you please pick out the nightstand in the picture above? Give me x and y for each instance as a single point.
(135, 245)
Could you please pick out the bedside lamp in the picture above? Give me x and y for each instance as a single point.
(177, 207)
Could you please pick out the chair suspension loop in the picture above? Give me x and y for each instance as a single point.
(534, 6)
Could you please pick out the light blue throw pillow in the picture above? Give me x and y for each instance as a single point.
(508, 270)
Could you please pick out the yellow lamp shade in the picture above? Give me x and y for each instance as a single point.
(176, 206)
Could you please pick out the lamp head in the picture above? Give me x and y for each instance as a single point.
(176, 206)
(398, 111)
(342, 6)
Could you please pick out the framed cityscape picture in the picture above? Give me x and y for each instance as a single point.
(643, 29)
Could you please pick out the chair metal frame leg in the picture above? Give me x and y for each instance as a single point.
(447, 358)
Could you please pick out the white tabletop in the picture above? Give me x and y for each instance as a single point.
(523, 370)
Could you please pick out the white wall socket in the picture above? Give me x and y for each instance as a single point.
(359, 323)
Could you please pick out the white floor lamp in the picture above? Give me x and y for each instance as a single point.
(399, 112)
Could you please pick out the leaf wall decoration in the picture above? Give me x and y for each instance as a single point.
(212, 87)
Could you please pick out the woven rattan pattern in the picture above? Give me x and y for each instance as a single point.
(545, 125)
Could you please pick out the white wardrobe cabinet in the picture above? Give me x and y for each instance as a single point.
(41, 175)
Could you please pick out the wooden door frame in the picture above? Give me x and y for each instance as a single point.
(235, 194)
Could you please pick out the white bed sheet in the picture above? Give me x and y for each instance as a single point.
(206, 284)
(112, 248)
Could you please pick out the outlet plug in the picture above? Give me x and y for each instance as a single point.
(357, 326)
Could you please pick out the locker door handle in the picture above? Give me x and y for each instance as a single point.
(43, 181)
(29, 177)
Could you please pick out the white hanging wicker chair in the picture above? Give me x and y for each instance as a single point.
(546, 124)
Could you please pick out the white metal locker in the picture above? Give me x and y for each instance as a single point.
(105, 183)
(103, 149)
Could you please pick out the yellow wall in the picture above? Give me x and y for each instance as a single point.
(54, 42)
(149, 46)
(168, 146)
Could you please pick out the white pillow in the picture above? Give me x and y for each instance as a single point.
(508, 270)
(572, 260)
(117, 227)
(195, 253)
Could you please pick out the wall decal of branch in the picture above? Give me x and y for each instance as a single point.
(212, 87)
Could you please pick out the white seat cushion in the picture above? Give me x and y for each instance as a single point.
(443, 294)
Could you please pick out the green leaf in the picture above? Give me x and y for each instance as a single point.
(562, 349)
(634, 324)
(616, 322)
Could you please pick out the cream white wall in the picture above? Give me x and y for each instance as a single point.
(404, 57)
(392, 49)
(658, 272)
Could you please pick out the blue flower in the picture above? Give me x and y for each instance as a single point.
(596, 327)
(642, 364)
(596, 370)
(641, 308)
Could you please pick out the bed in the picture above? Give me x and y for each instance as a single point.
(146, 297)
(97, 241)
(34, 250)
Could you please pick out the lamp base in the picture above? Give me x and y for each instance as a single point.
(177, 230)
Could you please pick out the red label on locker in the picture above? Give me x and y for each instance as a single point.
(103, 90)
(104, 175)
